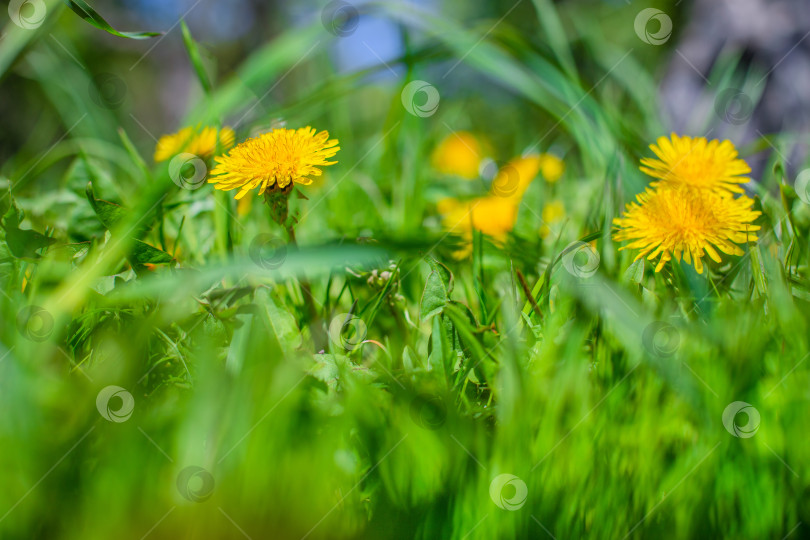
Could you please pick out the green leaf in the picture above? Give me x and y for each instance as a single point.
(434, 297)
(143, 253)
(327, 368)
(194, 55)
(635, 272)
(441, 354)
(437, 291)
(332, 369)
(22, 244)
(280, 322)
(25, 243)
(83, 10)
(444, 273)
(108, 213)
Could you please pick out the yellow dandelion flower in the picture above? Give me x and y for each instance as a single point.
(514, 178)
(274, 160)
(459, 154)
(227, 138)
(697, 163)
(200, 142)
(551, 167)
(681, 222)
(493, 216)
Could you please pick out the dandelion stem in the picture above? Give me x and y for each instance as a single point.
(318, 334)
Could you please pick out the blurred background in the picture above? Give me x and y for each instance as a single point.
(739, 67)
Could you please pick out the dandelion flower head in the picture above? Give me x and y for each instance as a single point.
(678, 222)
(274, 160)
(697, 163)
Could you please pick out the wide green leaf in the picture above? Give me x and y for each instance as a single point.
(22, 243)
(143, 253)
(434, 297)
(108, 213)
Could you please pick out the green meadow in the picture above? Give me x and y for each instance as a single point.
(175, 363)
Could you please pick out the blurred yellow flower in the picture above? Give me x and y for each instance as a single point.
(274, 160)
(459, 154)
(553, 212)
(682, 222)
(551, 167)
(697, 163)
(496, 213)
(492, 215)
(514, 178)
(200, 142)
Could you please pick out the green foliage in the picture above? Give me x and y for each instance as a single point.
(194, 55)
(370, 382)
(21, 243)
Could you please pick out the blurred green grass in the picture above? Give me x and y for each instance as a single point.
(615, 429)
